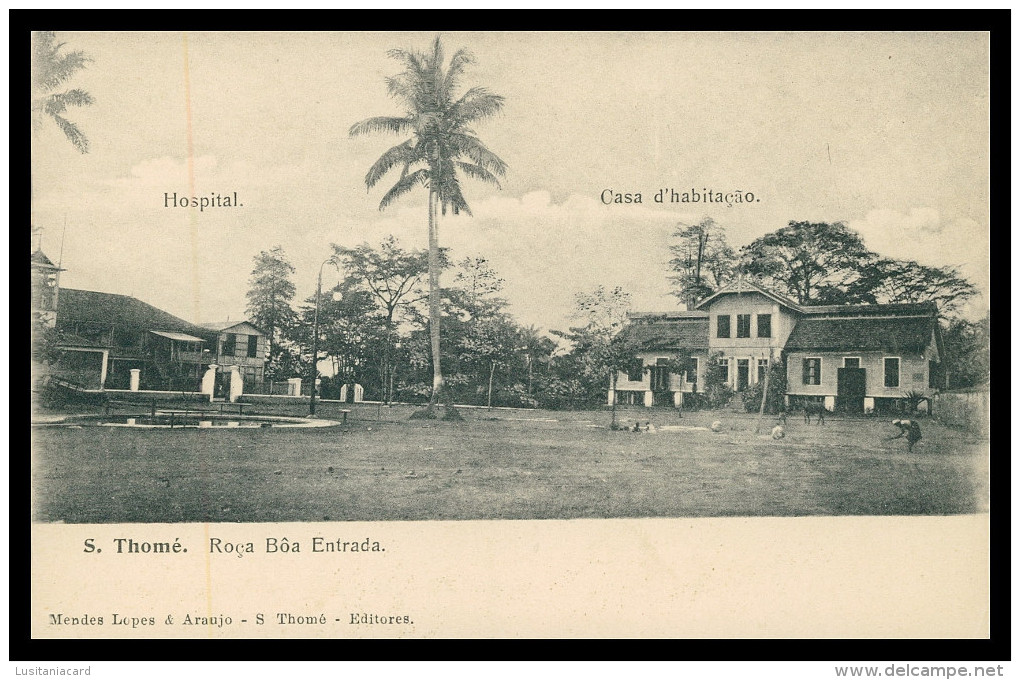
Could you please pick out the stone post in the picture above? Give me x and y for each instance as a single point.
(236, 383)
(294, 387)
(209, 381)
(136, 377)
(869, 404)
(343, 393)
(830, 403)
(611, 398)
(678, 399)
(649, 398)
(359, 393)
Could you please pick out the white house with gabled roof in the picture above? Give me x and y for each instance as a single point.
(857, 358)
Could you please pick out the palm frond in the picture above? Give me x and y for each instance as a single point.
(72, 132)
(404, 185)
(478, 172)
(473, 148)
(458, 61)
(452, 196)
(57, 103)
(400, 154)
(396, 125)
(476, 103)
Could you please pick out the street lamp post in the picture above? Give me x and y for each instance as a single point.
(314, 370)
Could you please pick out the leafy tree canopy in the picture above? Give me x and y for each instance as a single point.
(270, 293)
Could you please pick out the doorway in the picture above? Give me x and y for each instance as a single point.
(850, 389)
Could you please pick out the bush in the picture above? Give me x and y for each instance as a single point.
(775, 402)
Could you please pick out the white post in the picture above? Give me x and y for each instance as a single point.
(136, 375)
(236, 383)
(102, 371)
(649, 398)
(830, 403)
(294, 387)
(343, 393)
(359, 393)
(869, 404)
(611, 398)
(209, 381)
(678, 399)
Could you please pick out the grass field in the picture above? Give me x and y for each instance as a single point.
(508, 464)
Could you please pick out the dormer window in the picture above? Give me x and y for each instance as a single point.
(743, 325)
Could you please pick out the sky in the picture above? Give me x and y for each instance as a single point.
(888, 132)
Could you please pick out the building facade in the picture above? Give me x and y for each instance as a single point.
(854, 358)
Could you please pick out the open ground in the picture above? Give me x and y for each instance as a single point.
(503, 464)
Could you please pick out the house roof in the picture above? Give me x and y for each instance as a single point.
(39, 259)
(748, 286)
(220, 326)
(861, 333)
(669, 333)
(180, 337)
(120, 310)
(895, 309)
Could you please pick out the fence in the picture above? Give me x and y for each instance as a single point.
(969, 410)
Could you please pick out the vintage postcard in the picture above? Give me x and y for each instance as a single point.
(559, 334)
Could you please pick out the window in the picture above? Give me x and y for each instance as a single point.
(763, 366)
(892, 372)
(723, 326)
(812, 371)
(851, 362)
(724, 369)
(692, 371)
(253, 345)
(743, 325)
(229, 341)
(636, 371)
(764, 325)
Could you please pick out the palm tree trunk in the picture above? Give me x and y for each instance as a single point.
(434, 308)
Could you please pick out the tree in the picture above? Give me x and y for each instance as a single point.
(598, 350)
(442, 147)
(702, 261)
(493, 340)
(393, 277)
(811, 262)
(270, 292)
(888, 280)
(968, 357)
(351, 330)
(51, 68)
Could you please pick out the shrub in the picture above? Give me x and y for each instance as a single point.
(776, 399)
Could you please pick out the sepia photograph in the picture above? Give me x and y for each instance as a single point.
(417, 302)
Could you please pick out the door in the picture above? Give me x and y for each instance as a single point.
(850, 389)
(743, 374)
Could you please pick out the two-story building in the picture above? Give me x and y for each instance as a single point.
(858, 358)
(241, 344)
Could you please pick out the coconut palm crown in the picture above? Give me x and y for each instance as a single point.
(441, 149)
(50, 70)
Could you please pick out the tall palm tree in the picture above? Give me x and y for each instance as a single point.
(441, 147)
(50, 70)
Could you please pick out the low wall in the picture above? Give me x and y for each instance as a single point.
(969, 410)
(273, 399)
(146, 396)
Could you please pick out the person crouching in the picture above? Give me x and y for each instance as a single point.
(910, 429)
